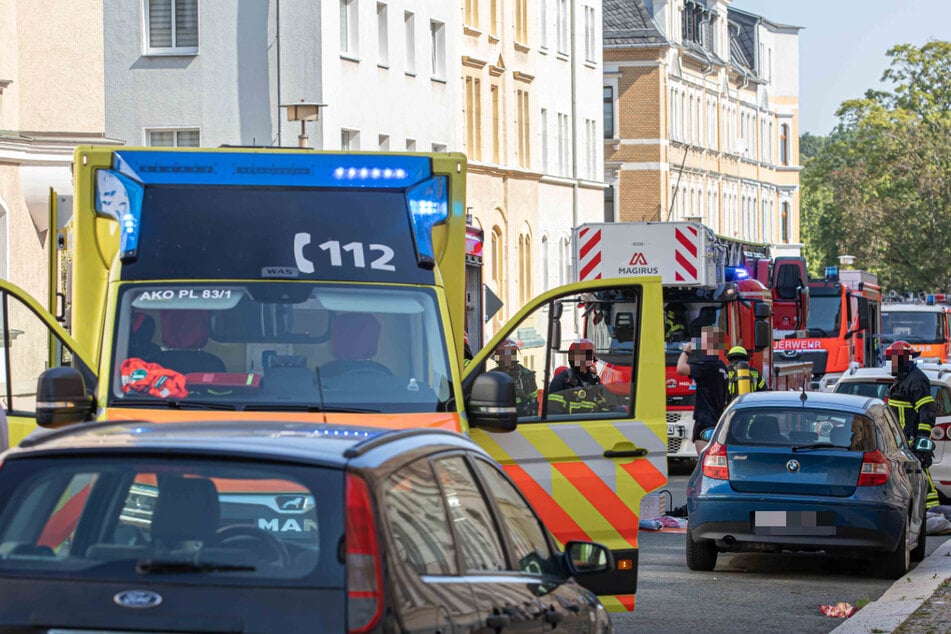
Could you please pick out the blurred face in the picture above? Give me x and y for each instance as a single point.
(507, 358)
(582, 359)
(899, 361)
(711, 340)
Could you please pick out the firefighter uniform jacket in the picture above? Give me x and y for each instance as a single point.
(575, 392)
(526, 389)
(757, 382)
(910, 396)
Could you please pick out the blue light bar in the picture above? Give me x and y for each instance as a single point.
(929, 300)
(832, 273)
(428, 206)
(272, 168)
(734, 273)
(120, 197)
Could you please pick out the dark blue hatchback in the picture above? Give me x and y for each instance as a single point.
(807, 471)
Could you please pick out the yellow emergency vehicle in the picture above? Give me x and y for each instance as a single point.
(299, 285)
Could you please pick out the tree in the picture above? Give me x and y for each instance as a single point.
(879, 187)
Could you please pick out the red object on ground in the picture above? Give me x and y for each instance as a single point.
(840, 610)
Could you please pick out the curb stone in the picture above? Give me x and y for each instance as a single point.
(905, 596)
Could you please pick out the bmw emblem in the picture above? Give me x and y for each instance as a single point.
(792, 466)
(137, 599)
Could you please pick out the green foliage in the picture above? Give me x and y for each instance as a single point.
(879, 186)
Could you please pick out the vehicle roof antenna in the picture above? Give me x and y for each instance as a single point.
(802, 395)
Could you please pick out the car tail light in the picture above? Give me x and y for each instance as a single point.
(715, 464)
(875, 469)
(941, 431)
(364, 568)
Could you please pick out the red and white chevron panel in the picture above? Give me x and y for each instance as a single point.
(686, 253)
(589, 254)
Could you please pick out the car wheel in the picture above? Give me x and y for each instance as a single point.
(701, 554)
(918, 553)
(894, 564)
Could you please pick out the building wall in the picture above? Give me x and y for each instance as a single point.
(695, 140)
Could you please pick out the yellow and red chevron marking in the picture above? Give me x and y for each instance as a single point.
(589, 254)
(686, 253)
(618, 602)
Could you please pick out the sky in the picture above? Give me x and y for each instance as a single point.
(842, 45)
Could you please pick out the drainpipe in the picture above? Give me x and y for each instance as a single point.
(574, 124)
(277, 46)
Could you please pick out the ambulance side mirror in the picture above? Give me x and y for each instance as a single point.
(492, 404)
(61, 398)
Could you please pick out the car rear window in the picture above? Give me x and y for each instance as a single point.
(797, 426)
(873, 389)
(203, 520)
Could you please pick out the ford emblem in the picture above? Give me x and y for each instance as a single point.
(137, 599)
(792, 466)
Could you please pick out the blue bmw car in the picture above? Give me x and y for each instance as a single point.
(807, 471)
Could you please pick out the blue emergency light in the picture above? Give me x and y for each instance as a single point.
(832, 273)
(428, 206)
(735, 273)
(120, 197)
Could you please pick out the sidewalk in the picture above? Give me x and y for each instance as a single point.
(906, 595)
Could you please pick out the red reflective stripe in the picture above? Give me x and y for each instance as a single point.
(616, 512)
(687, 241)
(64, 520)
(627, 600)
(682, 261)
(553, 516)
(646, 474)
(588, 244)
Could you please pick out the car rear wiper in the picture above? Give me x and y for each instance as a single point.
(817, 445)
(172, 403)
(177, 566)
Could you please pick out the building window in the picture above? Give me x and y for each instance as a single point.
(409, 26)
(348, 28)
(494, 18)
(496, 123)
(784, 223)
(522, 114)
(471, 15)
(691, 19)
(473, 118)
(383, 39)
(609, 203)
(608, 112)
(437, 33)
(410, 145)
(497, 268)
(590, 34)
(172, 27)
(384, 142)
(168, 137)
(543, 23)
(562, 26)
(349, 140)
(591, 145)
(784, 144)
(544, 131)
(521, 21)
(524, 268)
(564, 145)
(439, 147)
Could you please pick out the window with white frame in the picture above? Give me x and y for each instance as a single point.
(523, 128)
(470, 15)
(562, 26)
(384, 142)
(591, 126)
(439, 147)
(173, 137)
(564, 145)
(171, 27)
(437, 33)
(383, 37)
(349, 28)
(410, 145)
(590, 34)
(521, 21)
(544, 131)
(543, 23)
(349, 139)
(409, 27)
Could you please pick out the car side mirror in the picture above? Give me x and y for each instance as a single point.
(587, 558)
(492, 404)
(707, 434)
(61, 398)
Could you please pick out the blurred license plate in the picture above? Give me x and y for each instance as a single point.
(794, 522)
(676, 431)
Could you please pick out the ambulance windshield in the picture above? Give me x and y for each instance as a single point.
(280, 346)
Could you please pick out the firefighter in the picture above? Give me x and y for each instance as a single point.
(742, 377)
(910, 397)
(526, 389)
(710, 375)
(577, 389)
(675, 322)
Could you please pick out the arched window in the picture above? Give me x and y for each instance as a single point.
(524, 268)
(497, 269)
(546, 283)
(784, 223)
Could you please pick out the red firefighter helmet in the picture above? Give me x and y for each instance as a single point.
(581, 344)
(900, 347)
(507, 344)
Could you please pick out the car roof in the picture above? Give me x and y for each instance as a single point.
(820, 400)
(311, 443)
(935, 372)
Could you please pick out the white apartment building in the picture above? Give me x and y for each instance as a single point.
(217, 72)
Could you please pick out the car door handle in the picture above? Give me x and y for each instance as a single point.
(553, 617)
(625, 450)
(497, 621)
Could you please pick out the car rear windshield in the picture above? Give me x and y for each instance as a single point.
(797, 426)
(210, 521)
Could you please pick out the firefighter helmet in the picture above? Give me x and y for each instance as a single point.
(738, 352)
(581, 344)
(900, 347)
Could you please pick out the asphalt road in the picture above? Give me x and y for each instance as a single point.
(745, 592)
